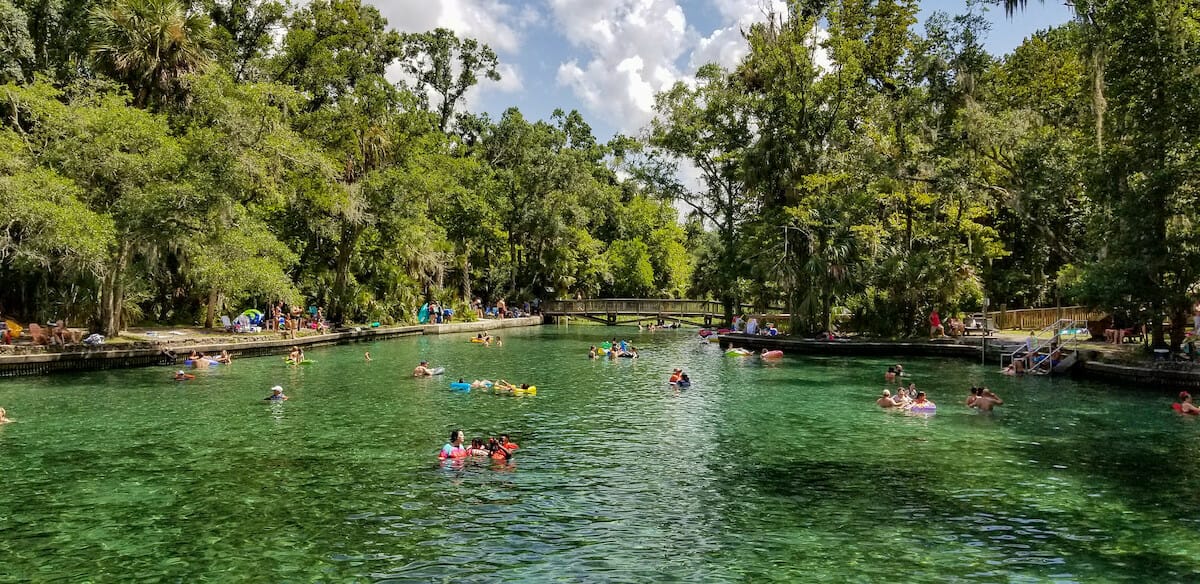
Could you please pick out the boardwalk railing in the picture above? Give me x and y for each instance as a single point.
(1040, 318)
(608, 310)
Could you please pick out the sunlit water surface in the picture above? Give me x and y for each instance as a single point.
(760, 472)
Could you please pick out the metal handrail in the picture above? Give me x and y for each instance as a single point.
(1052, 343)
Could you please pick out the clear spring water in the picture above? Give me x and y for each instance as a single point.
(760, 472)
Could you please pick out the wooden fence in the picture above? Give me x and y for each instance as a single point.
(1040, 318)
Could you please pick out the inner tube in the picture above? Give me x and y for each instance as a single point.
(460, 386)
(925, 409)
(437, 370)
(738, 353)
(304, 362)
(683, 384)
(626, 355)
(476, 340)
(773, 355)
(705, 333)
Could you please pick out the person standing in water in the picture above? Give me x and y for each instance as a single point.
(885, 400)
(453, 448)
(985, 400)
(276, 394)
(422, 370)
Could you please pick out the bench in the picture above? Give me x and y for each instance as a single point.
(983, 326)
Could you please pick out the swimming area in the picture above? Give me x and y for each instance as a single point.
(777, 471)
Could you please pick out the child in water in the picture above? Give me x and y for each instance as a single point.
(276, 394)
(4, 416)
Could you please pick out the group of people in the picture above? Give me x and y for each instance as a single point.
(613, 349)
(487, 339)
(289, 319)
(980, 398)
(751, 326)
(500, 449)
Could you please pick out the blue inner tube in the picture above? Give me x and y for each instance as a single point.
(460, 386)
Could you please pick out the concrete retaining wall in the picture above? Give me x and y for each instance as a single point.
(107, 357)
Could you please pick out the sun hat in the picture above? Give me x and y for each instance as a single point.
(277, 388)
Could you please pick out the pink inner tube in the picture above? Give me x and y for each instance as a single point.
(773, 355)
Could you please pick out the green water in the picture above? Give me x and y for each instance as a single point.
(760, 472)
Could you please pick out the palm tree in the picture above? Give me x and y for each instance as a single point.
(150, 45)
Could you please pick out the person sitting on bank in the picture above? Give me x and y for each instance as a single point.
(422, 370)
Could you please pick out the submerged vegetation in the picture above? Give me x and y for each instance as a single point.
(162, 159)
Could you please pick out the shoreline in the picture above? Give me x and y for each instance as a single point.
(1088, 367)
(107, 357)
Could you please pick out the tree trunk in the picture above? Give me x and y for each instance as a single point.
(112, 293)
(346, 247)
(466, 273)
(213, 299)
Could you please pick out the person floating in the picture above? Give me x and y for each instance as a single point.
(295, 356)
(4, 419)
(1185, 405)
(276, 394)
(454, 448)
(181, 376)
(921, 404)
(477, 448)
(422, 370)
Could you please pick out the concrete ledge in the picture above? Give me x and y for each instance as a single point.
(861, 348)
(1144, 377)
(480, 325)
(106, 357)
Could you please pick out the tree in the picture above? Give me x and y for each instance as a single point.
(442, 64)
(16, 48)
(151, 45)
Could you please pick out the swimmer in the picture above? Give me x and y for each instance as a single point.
(985, 400)
(367, 356)
(225, 358)
(592, 352)
(295, 355)
(975, 391)
(1185, 404)
(497, 450)
(499, 343)
(276, 394)
(507, 444)
(194, 355)
(612, 354)
(899, 370)
(181, 376)
(676, 376)
(4, 419)
(454, 448)
(890, 376)
(684, 380)
(422, 370)
(886, 401)
(477, 448)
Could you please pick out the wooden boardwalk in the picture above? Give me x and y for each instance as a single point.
(611, 310)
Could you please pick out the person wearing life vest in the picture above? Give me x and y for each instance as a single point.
(454, 448)
(1185, 405)
(676, 376)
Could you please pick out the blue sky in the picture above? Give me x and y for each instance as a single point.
(607, 58)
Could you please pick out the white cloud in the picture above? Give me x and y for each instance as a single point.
(637, 48)
(493, 22)
(633, 46)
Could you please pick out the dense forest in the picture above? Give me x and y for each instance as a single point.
(161, 160)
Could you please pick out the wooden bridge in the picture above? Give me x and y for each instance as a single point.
(630, 310)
